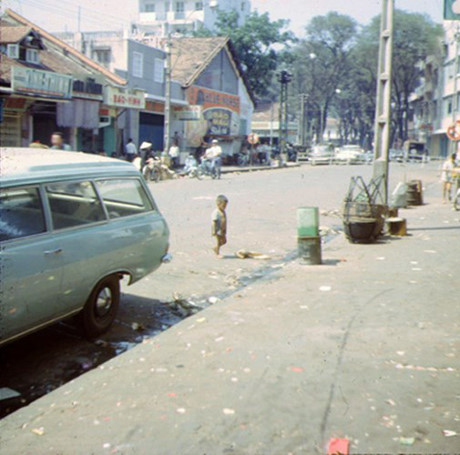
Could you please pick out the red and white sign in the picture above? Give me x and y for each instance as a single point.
(120, 97)
(253, 139)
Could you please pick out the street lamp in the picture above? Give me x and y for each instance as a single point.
(304, 97)
(284, 78)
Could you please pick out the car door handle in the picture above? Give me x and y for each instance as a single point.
(50, 252)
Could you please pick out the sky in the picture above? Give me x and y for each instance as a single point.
(62, 15)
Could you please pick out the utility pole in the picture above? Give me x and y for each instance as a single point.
(79, 20)
(168, 76)
(455, 105)
(303, 98)
(383, 106)
(283, 78)
(321, 126)
(272, 114)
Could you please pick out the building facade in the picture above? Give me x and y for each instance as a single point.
(436, 102)
(220, 100)
(47, 86)
(143, 67)
(160, 17)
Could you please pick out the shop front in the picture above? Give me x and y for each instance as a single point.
(11, 121)
(81, 114)
(29, 112)
(151, 124)
(124, 106)
(213, 115)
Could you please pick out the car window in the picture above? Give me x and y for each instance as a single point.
(21, 213)
(73, 204)
(123, 197)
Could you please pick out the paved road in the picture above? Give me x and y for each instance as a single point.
(364, 348)
(261, 214)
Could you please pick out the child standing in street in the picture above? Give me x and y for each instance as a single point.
(219, 223)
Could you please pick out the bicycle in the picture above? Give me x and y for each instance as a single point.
(456, 195)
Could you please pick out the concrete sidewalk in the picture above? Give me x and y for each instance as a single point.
(364, 347)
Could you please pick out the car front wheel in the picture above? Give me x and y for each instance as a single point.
(101, 307)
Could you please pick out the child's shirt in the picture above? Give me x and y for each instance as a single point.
(219, 222)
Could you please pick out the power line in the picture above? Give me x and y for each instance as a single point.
(89, 16)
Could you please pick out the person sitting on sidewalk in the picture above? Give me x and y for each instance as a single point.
(213, 154)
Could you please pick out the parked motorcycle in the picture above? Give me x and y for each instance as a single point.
(206, 169)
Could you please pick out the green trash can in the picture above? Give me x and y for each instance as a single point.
(308, 239)
(308, 222)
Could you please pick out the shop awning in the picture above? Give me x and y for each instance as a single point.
(78, 113)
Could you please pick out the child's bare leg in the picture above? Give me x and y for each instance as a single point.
(216, 248)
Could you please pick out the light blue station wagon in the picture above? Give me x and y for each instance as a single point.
(71, 226)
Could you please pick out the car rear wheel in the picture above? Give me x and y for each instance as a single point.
(101, 307)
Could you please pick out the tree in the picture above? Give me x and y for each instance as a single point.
(416, 37)
(321, 64)
(257, 43)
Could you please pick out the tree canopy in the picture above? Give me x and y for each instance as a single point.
(336, 67)
(257, 43)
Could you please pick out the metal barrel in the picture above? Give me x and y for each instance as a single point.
(310, 250)
(414, 192)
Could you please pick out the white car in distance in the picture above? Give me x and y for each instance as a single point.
(350, 154)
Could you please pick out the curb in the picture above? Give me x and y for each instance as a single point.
(258, 168)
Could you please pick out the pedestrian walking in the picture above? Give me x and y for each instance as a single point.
(219, 223)
(57, 142)
(447, 178)
(131, 150)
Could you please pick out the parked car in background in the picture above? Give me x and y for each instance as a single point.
(350, 154)
(72, 225)
(416, 152)
(396, 155)
(322, 154)
(369, 157)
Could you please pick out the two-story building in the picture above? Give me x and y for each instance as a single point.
(160, 17)
(47, 85)
(143, 67)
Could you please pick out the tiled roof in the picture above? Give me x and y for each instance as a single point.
(50, 60)
(190, 56)
(70, 61)
(12, 34)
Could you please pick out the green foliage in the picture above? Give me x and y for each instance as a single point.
(257, 43)
(321, 64)
(415, 38)
(343, 74)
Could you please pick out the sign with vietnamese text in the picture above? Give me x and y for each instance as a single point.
(38, 82)
(206, 98)
(124, 98)
(188, 113)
